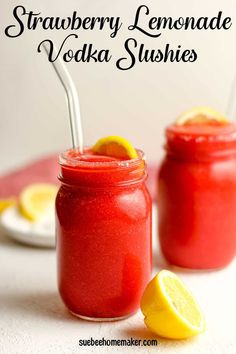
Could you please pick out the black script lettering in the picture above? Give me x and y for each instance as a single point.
(202, 23)
(179, 23)
(147, 55)
(161, 23)
(115, 25)
(90, 23)
(193, 56)
(33, 20)
(75, 21)
(65, 23)
(136, 21)
(131, 55)
(67, 57)
(142, 54)
(169, 54)
(227, 23)
(217, 23)
(185, 55)
(50, 52)
(21, 24)
(86, 54)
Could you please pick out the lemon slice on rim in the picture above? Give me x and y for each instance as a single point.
(6, 203)
(115, 146)
(199, 115)
(169, 308)
(36, 200)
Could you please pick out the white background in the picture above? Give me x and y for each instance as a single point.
(136, 104)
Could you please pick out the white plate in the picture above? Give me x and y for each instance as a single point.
(40, 234)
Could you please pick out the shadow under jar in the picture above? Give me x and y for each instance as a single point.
(103, 222)
(197, 196)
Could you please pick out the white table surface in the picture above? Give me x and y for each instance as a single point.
(34, 320)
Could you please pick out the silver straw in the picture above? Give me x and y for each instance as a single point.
(72, 100)
(231, 108)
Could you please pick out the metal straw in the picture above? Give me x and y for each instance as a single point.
(72, 100)
(231, 108)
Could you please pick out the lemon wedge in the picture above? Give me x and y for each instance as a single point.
(199, 115)
(6, 203)
(115, 146)
(169, 308)
(36, 199)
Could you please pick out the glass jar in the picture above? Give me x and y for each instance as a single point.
(197, 196)
(103, 218)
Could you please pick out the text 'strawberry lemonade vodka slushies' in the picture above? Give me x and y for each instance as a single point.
(197, 193)
(103, 234)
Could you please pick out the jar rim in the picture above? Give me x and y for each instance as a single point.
(204, 143)
(222, 132)
(77, 171)
(66, 160)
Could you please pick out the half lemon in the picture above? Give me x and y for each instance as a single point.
(170, 309)
(36, 200)
(115, 146)
(6, 203)
(201, 115)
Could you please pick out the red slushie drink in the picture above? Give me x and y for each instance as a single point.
(103, 234)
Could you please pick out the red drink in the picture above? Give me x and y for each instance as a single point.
(197, 195)
(103, 234)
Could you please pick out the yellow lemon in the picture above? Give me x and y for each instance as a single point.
(6, 203)
(115, 146)
(169, 308)
(36, 199)
(199, 115)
